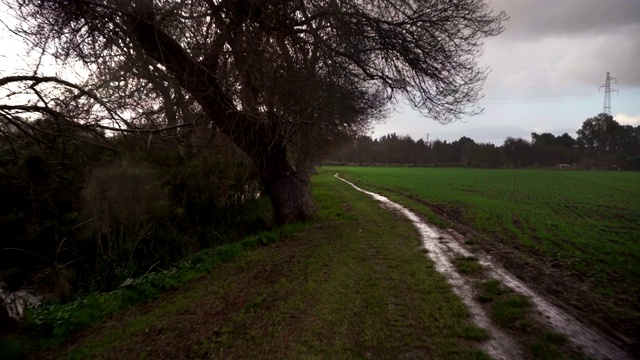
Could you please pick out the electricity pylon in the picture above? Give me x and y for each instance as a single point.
(607, 94)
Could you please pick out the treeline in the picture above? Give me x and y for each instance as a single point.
(602, 143)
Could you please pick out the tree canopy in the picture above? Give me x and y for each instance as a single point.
(284, 80)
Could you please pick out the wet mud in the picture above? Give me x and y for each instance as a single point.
(445, 245)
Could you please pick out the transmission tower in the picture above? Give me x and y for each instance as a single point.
(607, 94)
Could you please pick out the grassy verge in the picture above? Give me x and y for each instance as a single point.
(52, 323)
(351, 285)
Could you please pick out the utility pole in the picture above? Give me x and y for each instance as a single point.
(607, 94)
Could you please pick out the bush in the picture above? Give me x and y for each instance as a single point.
(79, 217)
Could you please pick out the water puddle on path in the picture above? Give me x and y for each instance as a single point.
(443, 247)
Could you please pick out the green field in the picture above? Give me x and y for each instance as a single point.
(583, 225)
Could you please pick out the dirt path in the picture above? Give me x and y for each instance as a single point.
(444, 246)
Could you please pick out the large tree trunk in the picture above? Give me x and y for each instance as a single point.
(287, 188)
(291, 198)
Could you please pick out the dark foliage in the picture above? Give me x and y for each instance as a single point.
(75, 216)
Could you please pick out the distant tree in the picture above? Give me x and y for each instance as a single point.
(629, 139)
(566, 141)
(362, 150)
(441, 152)
(544, 139)
(599, 134)
(462, 151)
(284, 80)
(518, 152)
(421, 152)
(368, 150)
(487, 155)
(549, 150)
(398, 149)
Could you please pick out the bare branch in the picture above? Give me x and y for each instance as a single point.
(44, 79)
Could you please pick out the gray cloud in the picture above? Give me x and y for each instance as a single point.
(541, 18)
(567, 41)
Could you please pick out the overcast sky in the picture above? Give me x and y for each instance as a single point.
(545, 72)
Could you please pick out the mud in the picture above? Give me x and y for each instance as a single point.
(445, 245)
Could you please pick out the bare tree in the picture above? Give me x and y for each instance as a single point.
(282, 79)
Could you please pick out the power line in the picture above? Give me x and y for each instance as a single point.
(633, 106)
(633, 90)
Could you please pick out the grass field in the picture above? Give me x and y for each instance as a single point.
(585, 224)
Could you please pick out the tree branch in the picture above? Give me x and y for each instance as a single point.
(44, 79)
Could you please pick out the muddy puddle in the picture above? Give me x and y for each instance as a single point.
(444, 245)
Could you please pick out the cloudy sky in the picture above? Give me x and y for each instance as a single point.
(546, 69)
(545, 72)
